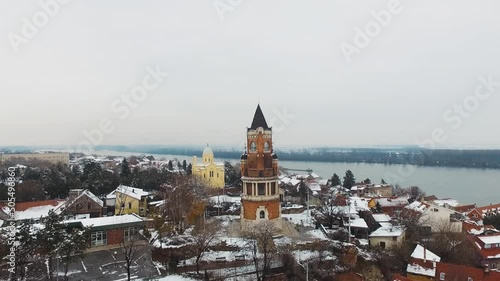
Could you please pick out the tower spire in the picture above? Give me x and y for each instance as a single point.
(258, 119)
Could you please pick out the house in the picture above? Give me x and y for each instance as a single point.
(208, 170)
(434, 218)
(34, 211)
(447, 271)
(128, 200)
(108, 231)
(81, 204)
(387, 237)
(465, 209)
(477, 228)
(488, 248)
(422, 264)
(490, 209)
(389, 205)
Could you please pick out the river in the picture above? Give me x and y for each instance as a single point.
(467, 185)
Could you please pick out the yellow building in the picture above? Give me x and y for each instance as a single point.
(208, 170)
(128, 200)
(51, 157)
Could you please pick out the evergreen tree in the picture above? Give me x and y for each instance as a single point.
(74, 243)
(335, 180)
(49, 239)
(189, 169)
(382, 181)
(170, 166)
(367, 181)
(184, 165)
(179, 165)
(125, 172)
(349, 179)
(302, 192)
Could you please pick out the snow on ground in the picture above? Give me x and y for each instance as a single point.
(224, 198)
(300, 219)
(317, 234)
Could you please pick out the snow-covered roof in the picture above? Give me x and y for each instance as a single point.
(418, 206)
(360, 204)
(446, 202)
(37, 212)
(392, 202)
(391, 231)
(490, 239)
(420, 270)
(381, 218)
(106, 221)
(87, 193)
(225, 198)
(418, 253)
(294, 182)
(314, 186)
(358, 222)
(133, 192)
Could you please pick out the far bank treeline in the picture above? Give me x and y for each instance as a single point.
(409, 156)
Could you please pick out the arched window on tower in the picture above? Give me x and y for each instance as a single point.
(262, 214)
(266, 146)
(253, 147)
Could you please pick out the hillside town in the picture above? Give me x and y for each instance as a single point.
(72, 216)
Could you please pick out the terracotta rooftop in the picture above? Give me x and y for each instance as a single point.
(23, 206)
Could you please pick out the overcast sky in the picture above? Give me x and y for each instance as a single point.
(70, 75)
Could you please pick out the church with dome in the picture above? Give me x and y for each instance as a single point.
(208, 170)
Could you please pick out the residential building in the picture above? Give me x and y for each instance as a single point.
(389, 205)
(128, 200)
(488, 249)
(208, 170)
(454, 272)
(433, 217)
(260, 197)
(387, 237)
(422, 264)
(81, 204)
(51, 157)
(109, 231)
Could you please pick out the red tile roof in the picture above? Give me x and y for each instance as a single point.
(489, 209)
(465, 208)
(461, 272)
(23, 206)
(491, 253)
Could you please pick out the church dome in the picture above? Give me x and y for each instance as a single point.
(207, 152)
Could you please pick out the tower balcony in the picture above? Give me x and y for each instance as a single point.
(268, 172)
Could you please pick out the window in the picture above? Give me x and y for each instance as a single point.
(394, 239)
(442, 275)
(129, 233)
(266, 146)
(249, 189)
(217, 174)
(130, 205)
(273, 189)
(99, 238)
(253, 147)
(262, 214)
(261, 188)
(435, 209)
(382, 244)
(493, 265)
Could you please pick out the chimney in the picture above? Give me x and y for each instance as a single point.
(425, 254)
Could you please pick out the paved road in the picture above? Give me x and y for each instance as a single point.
(109, 265)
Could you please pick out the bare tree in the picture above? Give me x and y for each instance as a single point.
(129, 249)
(262, 246)
(203, 235)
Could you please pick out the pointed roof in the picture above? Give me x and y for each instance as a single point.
(258, 119)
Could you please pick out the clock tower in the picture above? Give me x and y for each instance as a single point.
(260, 199)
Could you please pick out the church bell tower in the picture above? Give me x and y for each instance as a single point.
(260, 197)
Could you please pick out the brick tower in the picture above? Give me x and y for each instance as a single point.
(260, 199)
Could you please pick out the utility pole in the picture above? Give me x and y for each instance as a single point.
(349, 214)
